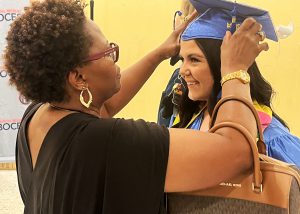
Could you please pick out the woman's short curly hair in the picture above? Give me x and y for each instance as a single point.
(43, 45)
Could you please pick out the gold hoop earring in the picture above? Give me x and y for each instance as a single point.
(86, 104)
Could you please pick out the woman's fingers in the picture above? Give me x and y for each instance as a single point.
(239, 50)
(261, 35)
(263, 47)
(186, 22)
(247, 24)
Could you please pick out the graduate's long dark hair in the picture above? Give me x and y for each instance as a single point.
(261, 90)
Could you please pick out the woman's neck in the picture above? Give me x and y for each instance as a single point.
(205, 121)
(203, 107)
(92, 110)
(206, 117)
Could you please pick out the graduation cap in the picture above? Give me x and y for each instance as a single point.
(218, 16)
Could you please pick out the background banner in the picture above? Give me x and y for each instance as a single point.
(12, 105)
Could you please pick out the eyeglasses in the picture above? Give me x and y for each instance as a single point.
(113, 52)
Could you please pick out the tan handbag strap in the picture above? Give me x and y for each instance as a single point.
(291, 171)
(260, 142)
(257, 179)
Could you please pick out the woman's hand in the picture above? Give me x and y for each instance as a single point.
(238, 51)
(171, 46)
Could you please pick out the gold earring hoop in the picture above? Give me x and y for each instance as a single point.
(86, 104)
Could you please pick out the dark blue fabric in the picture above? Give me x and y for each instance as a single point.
(174, 79)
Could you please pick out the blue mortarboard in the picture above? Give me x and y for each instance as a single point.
(218, 16)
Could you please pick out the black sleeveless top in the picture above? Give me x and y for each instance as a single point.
(91, 165)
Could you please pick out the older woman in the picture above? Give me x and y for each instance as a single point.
(70, 159)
